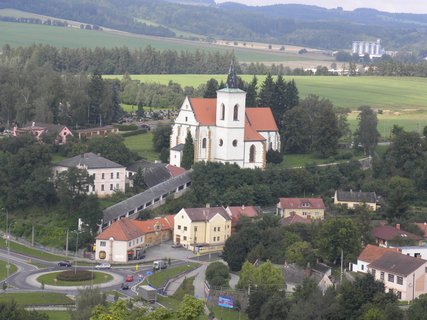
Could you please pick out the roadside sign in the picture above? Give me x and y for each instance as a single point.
(136, 267)
(149, 273)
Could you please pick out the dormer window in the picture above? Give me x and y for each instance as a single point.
(305, 204)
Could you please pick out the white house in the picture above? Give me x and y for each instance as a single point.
(109, 176)
(224, 129)
(369, 255)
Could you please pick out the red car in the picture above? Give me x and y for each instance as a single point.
(129, 278)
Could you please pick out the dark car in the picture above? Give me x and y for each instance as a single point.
(125, 286)
(64, 264)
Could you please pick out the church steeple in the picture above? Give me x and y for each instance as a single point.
(232, 78)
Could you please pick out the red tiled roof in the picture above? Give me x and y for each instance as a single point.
(296, 203)
(247, 211)
(389, 233)
(294, 219)
(372, 253)
(174, 170)
(261, 119)
(397, 263)
(204, 110)
(127, 229)
(251, 134)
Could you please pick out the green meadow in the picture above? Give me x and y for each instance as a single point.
(24, 34)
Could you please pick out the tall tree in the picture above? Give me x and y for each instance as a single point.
(296, 131)
(266, 93)
(251, 92)
(291, 96)
(325, 132)
(211, 88)
(188, 152)
(278, 100)
(367, 133)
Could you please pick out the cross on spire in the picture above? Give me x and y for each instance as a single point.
(232, 78)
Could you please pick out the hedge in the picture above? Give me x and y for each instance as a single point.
(126, 127)
(80, 275)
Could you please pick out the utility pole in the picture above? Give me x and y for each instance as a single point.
(77, 247)
(342, 262)
(32, 235)
(66, 245)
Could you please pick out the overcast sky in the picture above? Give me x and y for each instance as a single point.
(413, 6)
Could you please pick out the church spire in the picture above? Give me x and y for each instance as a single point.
(232, 78)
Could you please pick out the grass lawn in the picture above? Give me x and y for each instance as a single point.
(300, 160)
(3, 272)
(36, 298)
(19, 248)
(49, 279)
(229, 314)
(186, 287)
(160, 277)
(57, 315)
(133, 108)
(57, 158)
(142, 144)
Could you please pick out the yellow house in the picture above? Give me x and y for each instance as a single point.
(308, 208)
(352, 199)
(202, 229)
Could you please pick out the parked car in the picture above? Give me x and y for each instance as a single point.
(159, 264)
(103, 265)
(64, 264)
(177, 245)
(125, 286)
(129, 278)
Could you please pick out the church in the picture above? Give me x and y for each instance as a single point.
(224, 129)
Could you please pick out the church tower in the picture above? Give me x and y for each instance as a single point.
(230, 121)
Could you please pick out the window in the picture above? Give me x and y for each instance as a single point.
(252, 153)
(382, 275)
(102, 175)
(399, 295)
(102, 244)
(221, 142)
(214, 238)
(112, 175)
(111, 186)
(236, 113)
(186, 119)
(222, 112)
(363, 267)
(195, 229)
(373, 272)
(204, 143)
(94, 176)
(185, 228)
(214, 229)
(185, 238)
(219, 228)
(179, 227)
(399, 280)
(219, 238)
(391, 277)
(234, 143)
(118, 175)
(130, 244)
(102, 187)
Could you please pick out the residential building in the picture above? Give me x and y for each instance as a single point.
(38, 130)
(202, 229)
(403, 275)
(369, 254)
(225, 129)
(109, 176)
(127, 239)
(236, 212)
(388, 236)
(294, 276)
(413, 251)
(99, 131)
(308, 208)
(352, 199)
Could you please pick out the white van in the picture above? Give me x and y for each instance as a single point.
(159, 264)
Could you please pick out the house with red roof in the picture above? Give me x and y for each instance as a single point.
(127, 239)
(236, 212)
(307, 208)
(387, 236)
(224, 129)
(369, 254)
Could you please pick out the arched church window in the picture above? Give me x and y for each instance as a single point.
(222, 112)
(234, 143)
(252, 153)
(221, 142)
(204, 143)
(236, 113)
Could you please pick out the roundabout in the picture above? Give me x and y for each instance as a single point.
(50, 280)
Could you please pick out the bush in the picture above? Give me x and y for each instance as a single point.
(134, 133)
(274, 156)
(80, 275)
(217, 274)
(126, 127)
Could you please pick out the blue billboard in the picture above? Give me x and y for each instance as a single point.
(225, 302)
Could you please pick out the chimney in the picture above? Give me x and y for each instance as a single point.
(398, 226)
(208, 205)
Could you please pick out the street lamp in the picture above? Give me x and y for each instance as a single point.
(77, 246)
(8, 250)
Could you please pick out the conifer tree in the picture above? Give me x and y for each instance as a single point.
(188, 152)
(251, 92)
(266, 93)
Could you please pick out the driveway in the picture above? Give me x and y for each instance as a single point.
(165, 251)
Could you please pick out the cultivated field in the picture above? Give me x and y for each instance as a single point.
(23, 34)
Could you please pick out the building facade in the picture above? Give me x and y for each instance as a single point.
(109, 177)
(352, 199)
(308, 208)
(38, 130)
(224, 129)
(372, 48)
(202, 229)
